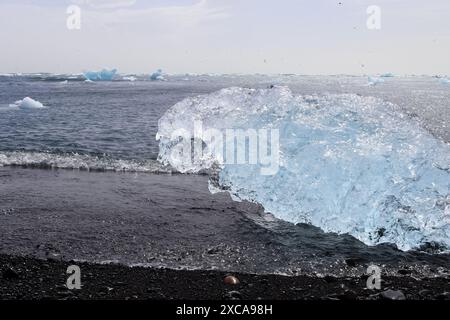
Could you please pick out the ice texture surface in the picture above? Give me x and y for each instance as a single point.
(348, 164)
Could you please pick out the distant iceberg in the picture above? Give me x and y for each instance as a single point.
(129, 78)
(372, 81)
(158, 75)
(444, 81)
(104, 75)
(387, 75)
(27, 103)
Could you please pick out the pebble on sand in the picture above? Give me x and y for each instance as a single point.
(232, 280)
(233, 295)
(393, 295)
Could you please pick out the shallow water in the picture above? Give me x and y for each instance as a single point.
(172, 221)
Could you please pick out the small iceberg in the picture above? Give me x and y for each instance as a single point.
(372, 81)
(158, 75)
(104, 75)
(387, 75)
(130, 78)
(27, 103)
(444, 81)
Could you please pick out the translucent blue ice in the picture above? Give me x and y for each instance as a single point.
(104, 75)
(158, 75)
(348, 164)
(374, 81)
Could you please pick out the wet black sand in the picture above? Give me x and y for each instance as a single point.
(173, 221)
(30, 279)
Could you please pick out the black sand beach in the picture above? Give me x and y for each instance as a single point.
(31, 279)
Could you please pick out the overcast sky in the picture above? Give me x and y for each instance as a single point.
(226, 36)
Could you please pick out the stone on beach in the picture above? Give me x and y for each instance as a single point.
(232, 280)
(393, 295)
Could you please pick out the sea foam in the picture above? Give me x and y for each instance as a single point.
(77, 161)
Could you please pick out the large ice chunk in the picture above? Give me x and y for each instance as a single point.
(348, 164)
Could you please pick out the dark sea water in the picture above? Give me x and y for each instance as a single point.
(79, 180)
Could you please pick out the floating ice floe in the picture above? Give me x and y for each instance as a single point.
(104, 75)
(348, 164)
(372, 81)
(158, 75)
(387, 75)
(27, 103)
(444, 81)
(130, 78)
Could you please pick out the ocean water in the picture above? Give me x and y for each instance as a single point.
(79, 179)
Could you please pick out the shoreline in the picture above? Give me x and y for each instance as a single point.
(35, 279)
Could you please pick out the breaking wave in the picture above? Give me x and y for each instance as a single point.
(348, 164)
(79, 162)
